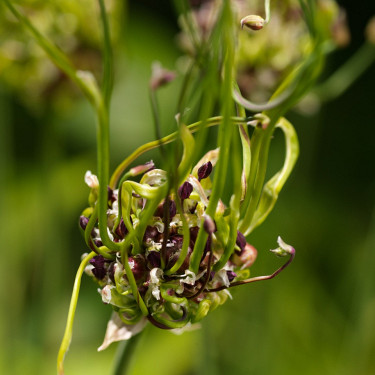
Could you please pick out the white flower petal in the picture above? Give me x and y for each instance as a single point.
(117, 330)
(188, 278)
(284, 249)
(155, 279)
(155, 275)
(91, 180)
(222, 278)
(107, 293)
(284, 245)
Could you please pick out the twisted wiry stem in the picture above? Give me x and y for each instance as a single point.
(257, 278)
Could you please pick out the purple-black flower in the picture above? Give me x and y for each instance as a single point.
(240, 242)
(99, 270)
(204, 171)
(83, 221)
(185, 190)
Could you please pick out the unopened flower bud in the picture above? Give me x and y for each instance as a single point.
(99, 270)
(253, 22)
(83, 221)
(173, 253)
(185, 190)
(240, 241)
(160, 211)
(150, 234)
(209, 224)
(203, 309)
(231, 275)
(160, 76)
(284, 249)
(204, 171)
(172, 209)
(246, 258)
(139, 169)
(121, 230)
(91, 180)
(138, 267)
(153, 259)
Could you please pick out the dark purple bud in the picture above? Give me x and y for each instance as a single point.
(138, 267)
(240, 241)
(185, 190)
(121, 230)
(193, 234)
(98, 243)
(209, 224)
(110, 193)
(111, 272)
(231, 275)
(150, 234)
(160, 211)
(173, 251)
(177, 241)
(193, 208)
(172, 209)
(204, 171)
(99, 270)
(153, 259)
(160, 76)
(83, 221)
(207, 248)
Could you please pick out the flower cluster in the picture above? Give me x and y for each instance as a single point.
(173, 294)
(265, 57)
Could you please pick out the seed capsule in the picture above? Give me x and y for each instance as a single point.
(253, 22)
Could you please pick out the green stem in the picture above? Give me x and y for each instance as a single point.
(125, 351)
(72, 310)
(103, 169)
(267, 11)
(224, 136)
(347, 74)
(213, 121)
(107, 56)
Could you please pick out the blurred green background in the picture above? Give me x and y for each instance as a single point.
(318, 317)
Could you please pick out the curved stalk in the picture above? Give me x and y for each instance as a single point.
(213, 121)
(72, 310)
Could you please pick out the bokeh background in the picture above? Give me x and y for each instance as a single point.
(318, 317)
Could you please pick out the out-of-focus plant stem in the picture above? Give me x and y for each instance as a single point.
(124, 354)
(347, 74)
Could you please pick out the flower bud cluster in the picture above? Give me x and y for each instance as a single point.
(173, 294)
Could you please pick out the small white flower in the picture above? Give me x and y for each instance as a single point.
(107, 293)
(91, 180)
(284, 249)
(155, 280)
(188, 277)
(284, 245)
(88, 270)
(221, 277)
